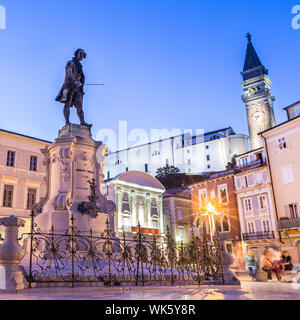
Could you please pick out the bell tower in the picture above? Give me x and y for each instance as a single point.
(257, 96)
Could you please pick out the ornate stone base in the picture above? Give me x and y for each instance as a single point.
(71, 165)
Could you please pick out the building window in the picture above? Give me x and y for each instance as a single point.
(293, 211)
(282, 145)
(10, 162)
(8, 196)
(222, 224)
(218, 225)
(208, 167)
(155, 224)
(251, 228)
(179, 214)
(266, 226)
(287, 174)
(108, 175)
(248, 205)
(189, 162)
(126, 206)
(208, 158)
(31, 198)
(263, 202)
(155, 153)
(33, 163)
(244, 162)
(126, 223)
(181, 234)
(154, 211)
(202, 198)
(225, 224)
(207, 147)
(146, 167)
(223, 198)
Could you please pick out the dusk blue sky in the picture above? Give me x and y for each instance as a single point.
(165, 63)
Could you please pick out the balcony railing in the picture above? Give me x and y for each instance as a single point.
(252, 165)
(258, 236)
(289, 223)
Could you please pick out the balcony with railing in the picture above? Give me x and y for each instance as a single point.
(289, 223)
(258, 236)
(252, 165)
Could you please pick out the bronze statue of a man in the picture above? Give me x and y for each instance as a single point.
(71, 93)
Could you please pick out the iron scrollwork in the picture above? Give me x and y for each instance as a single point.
(74, 258)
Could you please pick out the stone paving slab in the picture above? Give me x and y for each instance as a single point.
(247, 291)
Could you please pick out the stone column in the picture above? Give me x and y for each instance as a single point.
(119, 200)
(11, 254)
(134, 217)
(160, 214)
(148, 211)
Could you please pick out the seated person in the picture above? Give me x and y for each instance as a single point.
(286, 261)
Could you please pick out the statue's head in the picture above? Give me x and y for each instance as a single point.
(80, 54)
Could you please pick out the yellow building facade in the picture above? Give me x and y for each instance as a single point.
(281, 145)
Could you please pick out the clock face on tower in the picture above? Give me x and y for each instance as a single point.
(258, 116)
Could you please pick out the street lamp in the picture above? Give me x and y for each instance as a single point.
(211, 212)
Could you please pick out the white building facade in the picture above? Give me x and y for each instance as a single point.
(208, 152)
(256, 203)
(139, 199)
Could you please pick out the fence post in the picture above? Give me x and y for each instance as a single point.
(171, 249)
(139, 244)
(196, 248)
(11, 254)
(109, 250)
(220, 251)
(31, 249)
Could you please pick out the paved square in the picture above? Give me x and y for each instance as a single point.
(247, 291)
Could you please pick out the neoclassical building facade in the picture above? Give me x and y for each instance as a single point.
(139, 199)
(22, 174)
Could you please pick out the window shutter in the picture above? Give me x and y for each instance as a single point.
(284, 175)
(258, 226)
(255, 205)
(265, 177)
(251, 180)
(238, 183)
(290, 174)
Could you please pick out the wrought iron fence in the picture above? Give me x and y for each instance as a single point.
(74, 258)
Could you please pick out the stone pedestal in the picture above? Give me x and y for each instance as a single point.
(72, 161)
(11, 254)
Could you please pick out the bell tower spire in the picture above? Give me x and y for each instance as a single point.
(257, 95)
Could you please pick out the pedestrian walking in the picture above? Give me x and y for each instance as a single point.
(251, 265)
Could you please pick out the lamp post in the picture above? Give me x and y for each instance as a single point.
(211, 212)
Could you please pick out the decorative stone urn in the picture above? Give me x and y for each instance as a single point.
(228, 260)
(11, 254)
(73, 162)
